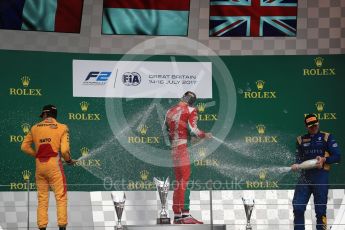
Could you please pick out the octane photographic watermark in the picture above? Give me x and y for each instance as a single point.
(109, 184)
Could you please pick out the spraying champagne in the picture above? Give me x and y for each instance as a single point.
(309, 164)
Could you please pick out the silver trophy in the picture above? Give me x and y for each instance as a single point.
(248, 207)
(163, 189)
(119, 203)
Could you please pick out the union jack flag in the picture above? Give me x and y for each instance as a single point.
(253, 18)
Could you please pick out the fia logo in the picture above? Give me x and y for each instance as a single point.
(131, 79)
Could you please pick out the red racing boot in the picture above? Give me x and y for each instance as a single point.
(187, 220)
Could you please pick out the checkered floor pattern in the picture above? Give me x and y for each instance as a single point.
(273, 208)
(95, 210)
(13, 210)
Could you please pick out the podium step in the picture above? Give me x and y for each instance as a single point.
(176, 227)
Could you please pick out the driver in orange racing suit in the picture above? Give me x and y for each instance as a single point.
(51, 140)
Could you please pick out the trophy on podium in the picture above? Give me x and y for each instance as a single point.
(248, 207)
(163, 189)
(119, 203)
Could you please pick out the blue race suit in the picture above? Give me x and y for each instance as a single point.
(314, 181)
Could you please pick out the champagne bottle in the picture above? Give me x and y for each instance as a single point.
(309, 164)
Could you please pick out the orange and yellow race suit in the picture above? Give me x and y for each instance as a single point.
(51, 140)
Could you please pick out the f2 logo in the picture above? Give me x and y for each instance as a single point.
(98, 76)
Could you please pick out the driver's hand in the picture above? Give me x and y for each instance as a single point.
(71, 162)
(320, 162)
(194, 140)
(208, 135)
(294, 167)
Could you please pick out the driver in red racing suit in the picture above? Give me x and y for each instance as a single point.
(180, 121)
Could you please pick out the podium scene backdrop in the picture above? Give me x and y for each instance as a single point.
(256, 113)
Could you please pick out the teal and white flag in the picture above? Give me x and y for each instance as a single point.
(146, 17)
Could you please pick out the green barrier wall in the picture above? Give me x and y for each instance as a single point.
(267, 106)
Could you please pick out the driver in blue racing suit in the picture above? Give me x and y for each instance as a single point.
(323, 147)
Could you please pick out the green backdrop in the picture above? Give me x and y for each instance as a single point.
(268, 103)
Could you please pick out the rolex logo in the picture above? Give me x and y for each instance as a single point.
(320, 106)
(84, 106)
(26, 174)
(84, 116)
(320, 69)
(25, 81)
(25, 90)
(261, 128)
(263, 182)
(202, 152)
(144, 175)
(260, 84)
(142, 129)
(26, 128)
(260, 93)
(262, 137)
(262, 174)
(319, 62)
(84, 151)
(321, 114)
(201, 107)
